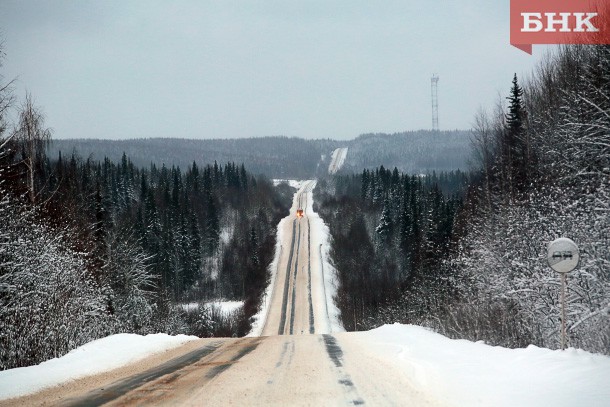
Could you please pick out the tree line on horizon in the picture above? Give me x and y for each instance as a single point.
(287, 157)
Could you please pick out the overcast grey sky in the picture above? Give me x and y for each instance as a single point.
(225, 69)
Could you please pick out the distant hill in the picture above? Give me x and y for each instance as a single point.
(283, 157)
(412, 152)
(277, 157)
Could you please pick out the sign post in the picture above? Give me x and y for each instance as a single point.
(563, 256)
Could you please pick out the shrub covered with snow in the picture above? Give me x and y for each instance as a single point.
(48, 305)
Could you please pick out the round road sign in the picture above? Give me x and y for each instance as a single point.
(563, 255)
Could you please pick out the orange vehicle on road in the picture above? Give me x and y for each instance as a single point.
(299, 213)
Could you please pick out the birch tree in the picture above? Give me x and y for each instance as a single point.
(32, 139)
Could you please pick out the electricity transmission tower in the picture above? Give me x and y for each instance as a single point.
(434, 102)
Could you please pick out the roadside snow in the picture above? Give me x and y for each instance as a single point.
(464, 373)
(94, 357)
(320, 242)
(453, 372)
(260, 317)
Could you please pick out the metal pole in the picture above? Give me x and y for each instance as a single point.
(563, 311)
(563, 256)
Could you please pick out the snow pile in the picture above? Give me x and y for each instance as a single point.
(464, 373)
(94, 357)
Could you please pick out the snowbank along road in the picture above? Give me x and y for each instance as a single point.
(298, 360)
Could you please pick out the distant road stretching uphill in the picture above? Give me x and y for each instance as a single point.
(337, 160)
(291, 311)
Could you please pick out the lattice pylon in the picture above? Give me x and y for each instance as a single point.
(434, 88)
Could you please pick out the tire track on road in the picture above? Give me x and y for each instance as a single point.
(284, 361)
(216, 370)
(287, 282)
(175, 387)
(105, 395)
(294, 283)
(335, 353)
(312, 328)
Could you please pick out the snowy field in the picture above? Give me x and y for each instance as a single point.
(94, 357)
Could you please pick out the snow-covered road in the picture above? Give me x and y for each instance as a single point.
(287, 370)
(298, 300)
(392, 365)
(283, 370)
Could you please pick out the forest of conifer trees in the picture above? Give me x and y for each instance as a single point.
(390, 232)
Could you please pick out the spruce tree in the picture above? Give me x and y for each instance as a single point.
(384, 229)
(516, 145)
(364, 191)
(212, 225)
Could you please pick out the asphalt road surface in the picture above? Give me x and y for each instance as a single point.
(286, 370)
(292, 310)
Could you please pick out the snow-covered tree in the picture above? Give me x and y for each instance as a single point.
(128, 284)
(48, 303)
(509, 294)
(31, 138)
(384, 229)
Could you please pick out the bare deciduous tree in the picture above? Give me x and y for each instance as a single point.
(6, 101)
(32, 138)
